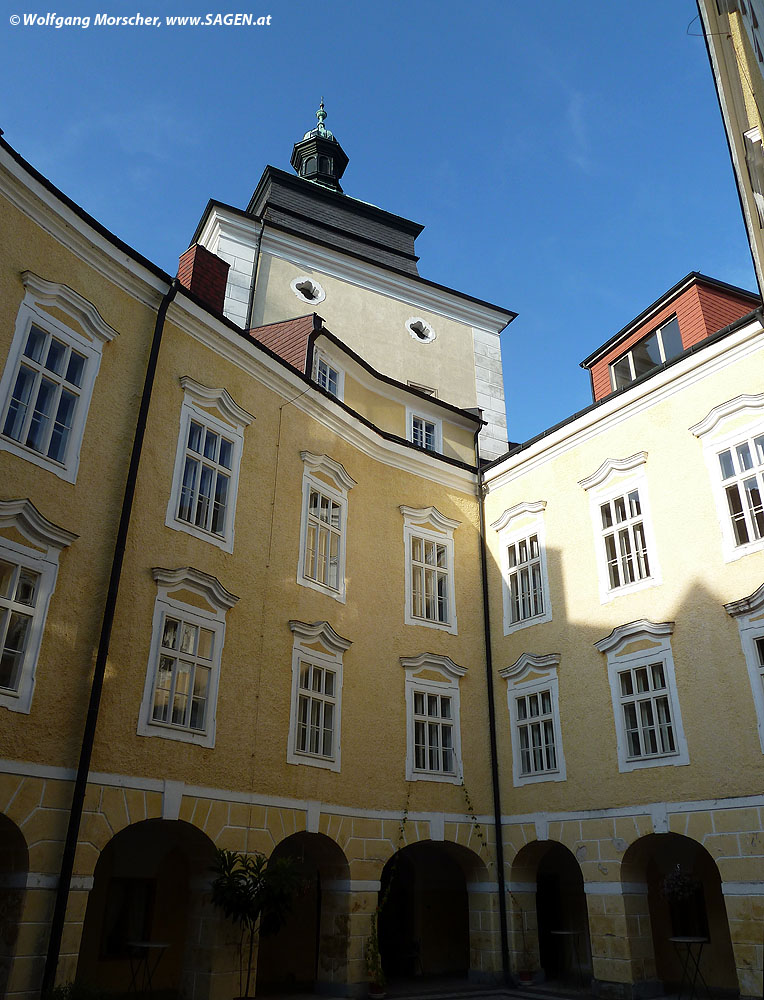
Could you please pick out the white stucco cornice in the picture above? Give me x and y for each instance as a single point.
(634, 630)
(207, 586)
(219, 399)
(519, 508)
(26, 518)
(54, 293)
(746, 402)
(622, 407)
(321, 632)
(611, 465)
(746, 605)
(429, 516)
(529, 661)
(329, 467)
(436, 660)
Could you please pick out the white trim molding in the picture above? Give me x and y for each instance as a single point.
(35, 569)
(426, 328)
(297, 284)
(429, 584)
(432, 706)
(624, 542)
(648, 719)
(730, 430)
(212, 415)
(533, 702)
(749, 614)
(315, 718)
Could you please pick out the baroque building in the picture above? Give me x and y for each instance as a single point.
(273, 580)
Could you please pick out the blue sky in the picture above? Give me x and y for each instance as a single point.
(568, 160)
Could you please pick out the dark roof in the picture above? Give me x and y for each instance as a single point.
(757, 313)
(693, 277)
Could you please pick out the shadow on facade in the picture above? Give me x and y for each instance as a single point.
(309, 952)
(672, 885)
(14, 866)
(151, 886)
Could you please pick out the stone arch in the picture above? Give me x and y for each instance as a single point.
(690, 903)
(14, 868)
(310, 951)
(438, 913)
(550, 936)
(152, 884)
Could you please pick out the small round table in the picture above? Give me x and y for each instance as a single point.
(689, 950)
(573, 937)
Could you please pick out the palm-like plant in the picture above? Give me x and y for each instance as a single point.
(256, 893)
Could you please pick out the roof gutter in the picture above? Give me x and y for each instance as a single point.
(91, 720)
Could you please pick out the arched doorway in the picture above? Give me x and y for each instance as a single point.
(14, 866)
(550, 919)
(424, 926)
(682, 894)
(310, 949)
(151, 885)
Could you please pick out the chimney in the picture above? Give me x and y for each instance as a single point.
(204, 274)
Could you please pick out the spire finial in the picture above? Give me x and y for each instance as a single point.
(321, 115)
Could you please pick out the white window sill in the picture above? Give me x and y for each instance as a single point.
(36, 458)
(630, 588)
(535, 779)
(172, 733)
(294, 757)
(338, 595)
(666, 760)
(740, 551)
(451, 779)
(226, 544)
(440, 626)
(511, 627)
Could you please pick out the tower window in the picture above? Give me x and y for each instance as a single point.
(325, 164)
(420, 330)
(309, 166)
(307, 289)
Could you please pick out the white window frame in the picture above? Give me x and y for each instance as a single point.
(319, 293)
(209, 615)
(749, 614)
(616, 478)
(533, 675)
(628, 647)
(522, 521)
(214, 409)
(317, 644)
(429, 524)
(46, 541)
(86, 335)
(427, 334)
(419, 672)
(726, 426)
(320, 357)
(658, 333)
(419, 413)
(332, 480)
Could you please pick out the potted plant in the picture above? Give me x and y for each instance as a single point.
(374, 959)
(256, 893)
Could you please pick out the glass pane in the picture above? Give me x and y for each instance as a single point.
(7, 571)
(641, 677)
(170, 633)
(43, 408)
(317, 679)
(627, 686)
(646, 355)
(416, 549)
(725, 461)
(659, 680)
(418, 703)
(432, 705)
(17, 410)
(226, 453)
(620, 509)
(188, 638)
(546, 702)
(35, 343)
(210, 445)
(204, 498)
(56, 355)
(26, 587)
(195, 436)
(219, 504)
(329, 683)
(75, 369)
(445, 707)
(512, 556)
(522, 712)
(205, 643)
(744, 456)
(621, 370)
(672, 339)
(607, 516)
(753, 499)
(736, 515)
(305, 675)
(62, 425)
(188, 489)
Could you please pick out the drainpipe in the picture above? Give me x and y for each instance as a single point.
(91, 720)
(255, 263)
(492, 722)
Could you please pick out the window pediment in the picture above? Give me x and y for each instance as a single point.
(509, 515)
(320, 633)
(218, 400)
(640, 629)
(442, 664)
(428, 517)
(55, 294)
(611, 466)
(528, 662)
(29, 522)
(209, 587)
(747, 405)
(327, 467)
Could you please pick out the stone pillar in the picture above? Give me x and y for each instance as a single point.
(623, 962)
(211, 957)
(33, 899)
(333, 941)
(523, 928)
(745, 912)
(485, 932)
(363, 896)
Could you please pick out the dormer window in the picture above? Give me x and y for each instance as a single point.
(325, 164)
(309, 166)
(420, 330)
(661, 345)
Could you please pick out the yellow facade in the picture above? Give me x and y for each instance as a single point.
(590, 827)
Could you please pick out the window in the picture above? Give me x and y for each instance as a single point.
(532, 699)
(429, 578)
(732, 435)
(523, 561)
(661, 345)
(424, 430)
(49, 377)
(420, 330)
(180, 695)
(643, 687)
(432, 712)
(307, 289)
(27, 579)
(205, 479)
(625, 547)
(314, 730)
(749, 613)
(327, 375)
(323, 535)
(426, 389)
(754, 158)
